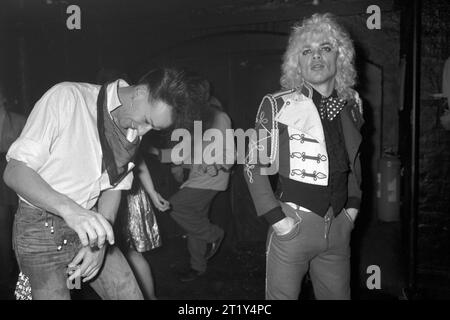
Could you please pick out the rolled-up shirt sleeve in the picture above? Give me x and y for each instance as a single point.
(48, 118)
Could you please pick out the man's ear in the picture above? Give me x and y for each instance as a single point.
(141, 91)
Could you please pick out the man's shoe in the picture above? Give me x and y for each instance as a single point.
(213, 247)
(190, 275)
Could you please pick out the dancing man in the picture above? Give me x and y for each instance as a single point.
(69, 166)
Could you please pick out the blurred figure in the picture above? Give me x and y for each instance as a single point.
(11, 124)
(191, 204)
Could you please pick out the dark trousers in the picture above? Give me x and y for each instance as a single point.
(190, 211)
(315, 244)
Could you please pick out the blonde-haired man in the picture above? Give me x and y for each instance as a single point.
(312, 142)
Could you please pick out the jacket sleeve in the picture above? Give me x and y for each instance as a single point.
(262, 161)
(354, 187)
(354, 178)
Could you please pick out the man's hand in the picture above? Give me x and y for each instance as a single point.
(353, 213)
(210, 169)
(92, 227)
(87, 262)
(159, 202)
(283, 226)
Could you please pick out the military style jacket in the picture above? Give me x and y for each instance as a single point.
(289, 140)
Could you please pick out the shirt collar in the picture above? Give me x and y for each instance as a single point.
(113, 95)
(315, 95)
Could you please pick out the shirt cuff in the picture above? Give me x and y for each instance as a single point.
(274, 215)
(353, 202)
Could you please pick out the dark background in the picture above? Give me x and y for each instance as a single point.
(238, 46)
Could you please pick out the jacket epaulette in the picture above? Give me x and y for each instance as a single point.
(273, 132)
(279, 94)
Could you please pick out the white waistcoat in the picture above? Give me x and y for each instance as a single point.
(308, 156)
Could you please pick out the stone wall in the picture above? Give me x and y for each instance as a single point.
(434, 190)
(434, 161)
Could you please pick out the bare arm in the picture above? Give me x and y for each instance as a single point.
(108, 204)
(146, 178)
(89, 225)
(147, 182)
(30, 186)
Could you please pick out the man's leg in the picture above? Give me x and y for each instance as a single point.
(190, 211)
(288, 256)
(116, 280)
(197, 250)
(330, 270)
(38, 255)
(48, 281)
(284, 269)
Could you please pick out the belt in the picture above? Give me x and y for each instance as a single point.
(297, 207)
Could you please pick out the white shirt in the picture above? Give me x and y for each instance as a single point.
(60, 141)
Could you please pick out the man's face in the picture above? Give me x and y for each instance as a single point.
(317, 59)
(147, 114)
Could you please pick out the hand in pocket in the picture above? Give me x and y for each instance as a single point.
(284, 226)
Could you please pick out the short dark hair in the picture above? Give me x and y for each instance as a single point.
(201, 89)
(179, 89)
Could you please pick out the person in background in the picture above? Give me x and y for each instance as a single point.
(11, 124)
(191, 204)
(138, 228)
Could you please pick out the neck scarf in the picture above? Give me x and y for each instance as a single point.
(330, 107)
(116, 149)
